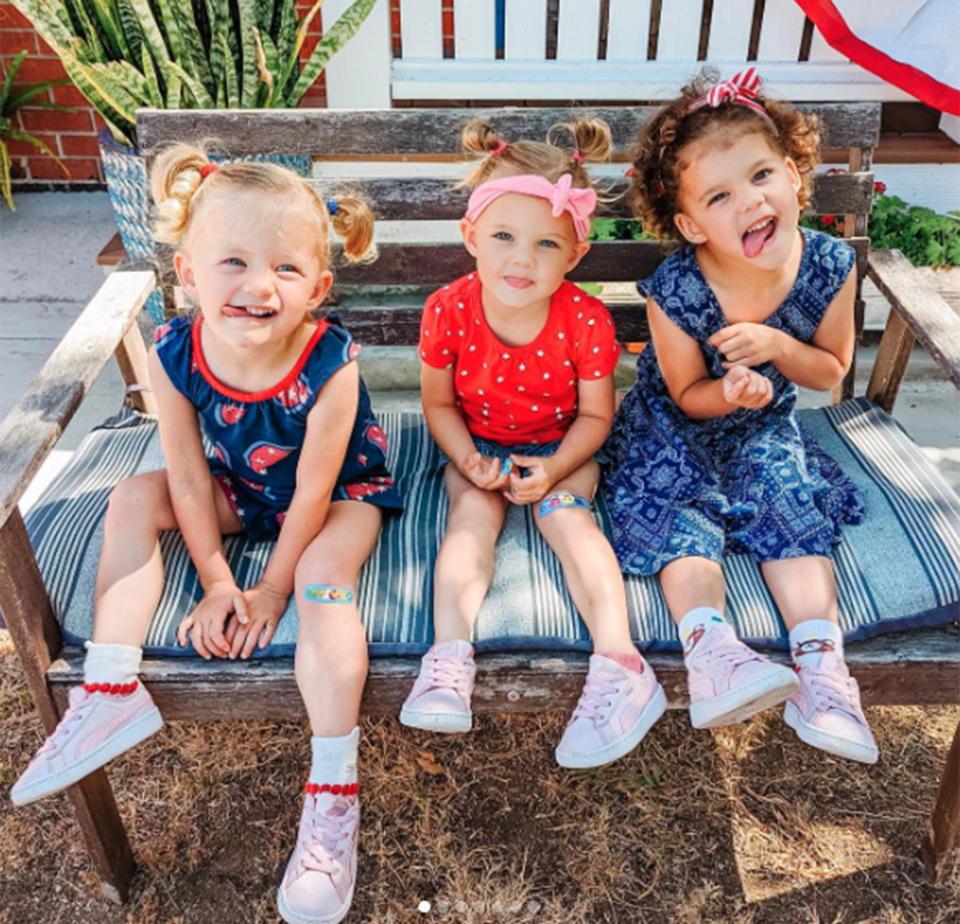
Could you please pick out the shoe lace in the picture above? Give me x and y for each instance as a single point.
(449, 672)
(599, 692)
(831, 690)
(731, 653)
(70, 718)
(327, 836)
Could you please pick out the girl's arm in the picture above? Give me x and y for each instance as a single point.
(820, 364)
(329, 425)
(191, 496)
(447, 427)
(689, 382)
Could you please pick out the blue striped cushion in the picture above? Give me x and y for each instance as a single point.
(899, 568)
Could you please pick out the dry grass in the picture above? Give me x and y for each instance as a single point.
(744, 825)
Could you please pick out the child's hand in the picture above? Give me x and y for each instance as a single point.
(204, 625)
(746, 388)
(258, 611)
(748, 344)
(484, 472)
(538, 478)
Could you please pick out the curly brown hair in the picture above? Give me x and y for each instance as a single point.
(657, 158)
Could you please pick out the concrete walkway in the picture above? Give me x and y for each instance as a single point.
(48, 271)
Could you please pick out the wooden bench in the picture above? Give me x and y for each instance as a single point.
(381, 305)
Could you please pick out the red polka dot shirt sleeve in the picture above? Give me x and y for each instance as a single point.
(440, 332)
(596, 350)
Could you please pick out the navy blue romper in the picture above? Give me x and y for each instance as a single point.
(256, 437)
(751, 481)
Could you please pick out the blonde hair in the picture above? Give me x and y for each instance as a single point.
(587, 140)
(658, 157)
(180, 191)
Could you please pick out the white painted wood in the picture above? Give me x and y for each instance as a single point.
(474, 29)
(623, 80)
(781, 31)
(730, 31)
(578, 30)
(628, 30)
(359, 78)
(525, 31)
(821, 51)
(679, 36)
(421, 28)
(950, 126)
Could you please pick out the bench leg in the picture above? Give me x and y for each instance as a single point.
(943, 829)
(36, 637)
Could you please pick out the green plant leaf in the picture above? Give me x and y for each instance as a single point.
(333, 40)
(154, 93)
(194, 60)
(152, 36)
(18, 135)
(5, 178)
(90, 34)
(108, 20)
(35, 89)
(167, 22)
(109, 98)
(132, 30)
(229, 76)
(247, 10)
(197, 90)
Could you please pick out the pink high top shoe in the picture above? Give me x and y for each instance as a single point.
(317, 887)
(729, 682)
(440, 698)
(101, 722)
(825, 711)
(616, 709)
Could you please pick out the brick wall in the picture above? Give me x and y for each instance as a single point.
(73, 136)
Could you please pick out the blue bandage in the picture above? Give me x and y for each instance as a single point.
(327, 593)
(506, 467)
(562, 499)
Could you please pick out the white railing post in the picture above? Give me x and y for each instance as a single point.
(358, 76)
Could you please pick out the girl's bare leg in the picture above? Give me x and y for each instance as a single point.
(803, 588)
(331, 656)
(689, 583)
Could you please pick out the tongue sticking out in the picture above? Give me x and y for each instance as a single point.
(753, 241)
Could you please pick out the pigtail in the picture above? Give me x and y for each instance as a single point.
(174, 181)
(591, 139)
(479, 137)
(353, 221)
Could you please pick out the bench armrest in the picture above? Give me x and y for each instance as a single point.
(31, 429)
(918, 312)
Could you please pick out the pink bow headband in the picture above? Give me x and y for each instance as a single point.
(563, 196)
(742, 88)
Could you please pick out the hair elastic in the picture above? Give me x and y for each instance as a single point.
(207, 169)
(332, 207)
(577, 156)
(499, 149)
(743, 89)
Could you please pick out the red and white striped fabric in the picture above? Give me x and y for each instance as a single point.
(911, 44)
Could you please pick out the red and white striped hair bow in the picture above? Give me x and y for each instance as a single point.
(742, 88)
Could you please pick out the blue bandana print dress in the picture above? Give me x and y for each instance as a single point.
(750, 481)
(256, 438)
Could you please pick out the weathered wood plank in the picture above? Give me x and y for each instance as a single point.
(902, 669)
(928, 316)
(36, 638)
(431, 199)
(889, 367)
(31, 429)
(364, 132)
(131, 355)
(942, 840)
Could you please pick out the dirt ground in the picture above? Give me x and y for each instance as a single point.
(739, 825)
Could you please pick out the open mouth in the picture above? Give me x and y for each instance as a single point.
(257, 312)
(756, 236)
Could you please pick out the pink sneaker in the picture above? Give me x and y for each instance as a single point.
(101, 722)
(616, 709)
(440, 698)
(728, 682)
(317, 887)
(825, 712)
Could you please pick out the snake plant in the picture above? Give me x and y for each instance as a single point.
(10, 102)
(186, 54)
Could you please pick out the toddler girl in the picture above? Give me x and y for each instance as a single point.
(708, 454)
(517, 384)
(297, 455)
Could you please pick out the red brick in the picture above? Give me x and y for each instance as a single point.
(37, 70)
(45, 49)
(12, 18)
(47, 120)
(80, 145)
(45, 168)
(309, 43)
(80, 169)
(21, 148)
(69, 96)
(13, 41)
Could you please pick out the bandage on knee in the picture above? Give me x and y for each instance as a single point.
(327, 593)
(562, 499)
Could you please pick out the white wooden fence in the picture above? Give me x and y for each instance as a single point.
(598, 50)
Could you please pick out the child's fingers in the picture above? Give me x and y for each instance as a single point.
(253, 631)
(196, 636)
(185, 625)
(722, 335)
(267, 634)
(241, 609)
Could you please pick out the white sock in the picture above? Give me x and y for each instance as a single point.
(111, 663)
(335, 759)
(810, 640)
(701, 616)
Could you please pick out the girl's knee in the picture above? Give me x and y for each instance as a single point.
(142, 498)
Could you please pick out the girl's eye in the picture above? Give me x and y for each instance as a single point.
(546, 242)
(234, 261)
(762, 174)
(287, 268)
(716, 198)
(503, 236)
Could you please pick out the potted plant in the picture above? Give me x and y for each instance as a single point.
(10, 102)
(180, 54)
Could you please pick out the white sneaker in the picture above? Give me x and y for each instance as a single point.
(440, 698)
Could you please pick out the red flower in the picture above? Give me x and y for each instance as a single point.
(828, 219)
(834, 170)
(879, 187)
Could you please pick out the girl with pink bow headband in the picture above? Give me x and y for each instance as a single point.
(707, 455)
(517, 386)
